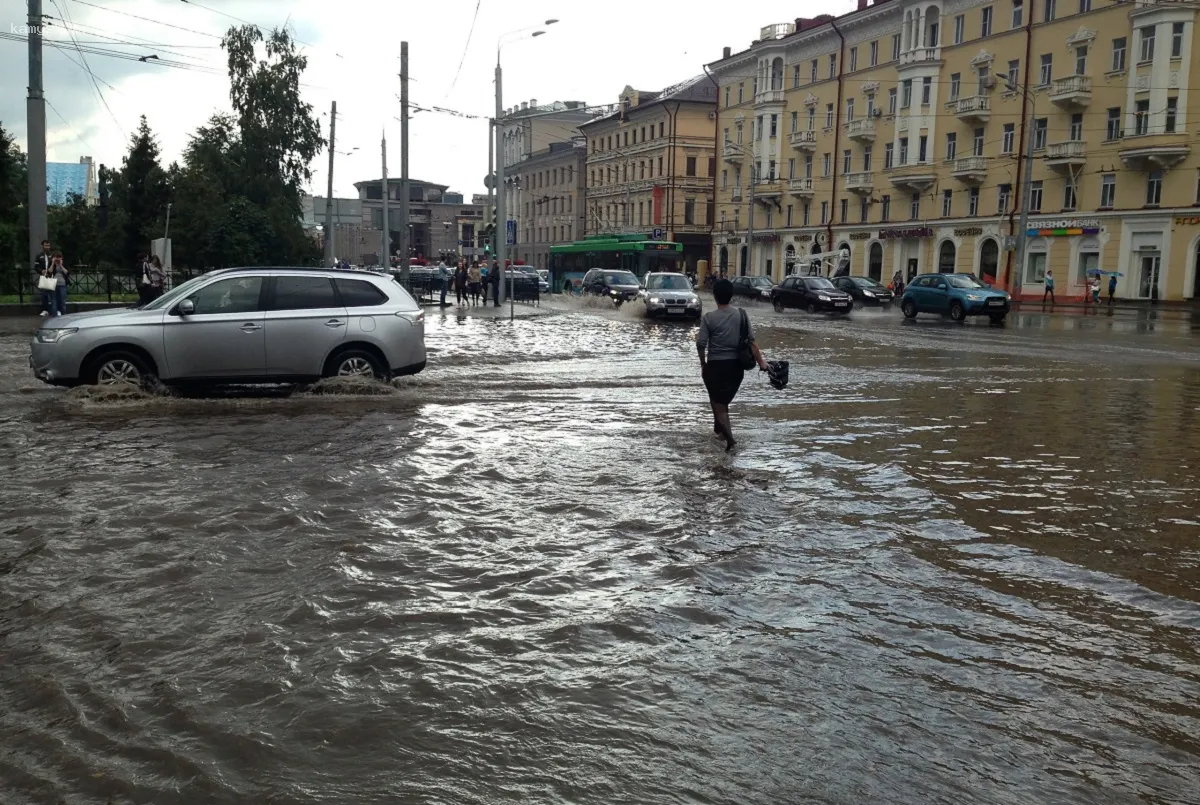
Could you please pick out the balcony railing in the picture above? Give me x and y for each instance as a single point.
(970, 107)
(802, 186)
(970, 165)
(860, 182)
(803, 139)
(1070, 150)
(736, 194)
(769, 96)
(732, 152)
(1073, 90)
(862, 128)
(920, 56)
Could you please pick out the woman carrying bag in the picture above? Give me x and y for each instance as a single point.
(53, 285)
(727, 349)
(156, 277)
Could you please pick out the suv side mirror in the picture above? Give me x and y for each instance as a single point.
(187, 307)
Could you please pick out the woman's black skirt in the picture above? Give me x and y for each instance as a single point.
(723, 379)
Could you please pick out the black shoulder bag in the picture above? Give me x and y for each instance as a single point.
(745, 353)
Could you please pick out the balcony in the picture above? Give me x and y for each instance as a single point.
(736, 194)
(862, 183)
(1153, 152)
(803, 140)
(921, 56)
(1066, 155)
(732, 152)
(768, 96)
(769, 188)
(802, 187)
(1072, 92)
(862, 130)
(915, 178)
(971, 109)
(971, 170)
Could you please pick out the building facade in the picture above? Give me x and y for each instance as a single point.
(66, 179)
(442, 226)
(549, 200)
(651, 165)
(899, 132)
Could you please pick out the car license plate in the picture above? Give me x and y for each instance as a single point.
(675, 310)
(841, 304)
(995, 301)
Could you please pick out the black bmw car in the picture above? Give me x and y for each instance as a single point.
(865, 291)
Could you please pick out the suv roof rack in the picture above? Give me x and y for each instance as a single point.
(334, 270)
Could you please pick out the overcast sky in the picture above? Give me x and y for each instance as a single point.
(353, 48)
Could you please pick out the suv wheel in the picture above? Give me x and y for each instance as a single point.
(957, 311)
(909, 308)
(356, 363)
(119, 368)
(778, 303)
(811, 308)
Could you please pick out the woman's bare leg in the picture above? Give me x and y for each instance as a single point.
(721, 415)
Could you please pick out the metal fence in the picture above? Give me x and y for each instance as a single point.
(85, 283)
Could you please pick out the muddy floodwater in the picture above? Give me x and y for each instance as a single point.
(949, 564)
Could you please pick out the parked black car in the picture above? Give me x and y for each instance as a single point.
(810, 293)
(865, 291)
(752, 287)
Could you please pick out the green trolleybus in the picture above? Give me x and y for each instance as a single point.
(636, 253)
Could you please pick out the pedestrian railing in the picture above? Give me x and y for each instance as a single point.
(85, 284)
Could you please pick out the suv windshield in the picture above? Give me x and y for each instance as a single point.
(818, 283)
(668, 282)
(620, 278)
(964, 281)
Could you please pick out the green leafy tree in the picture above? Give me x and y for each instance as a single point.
(139, 190)
(14, 239)
(74, 231)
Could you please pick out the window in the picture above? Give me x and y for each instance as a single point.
(741, 90)
(1141, 117)
(1113, 130)
(895, 47)
(808, 166)
(1118, 54)
(1049, 7)
(824, 212)
(853, 59)
(1039, 133)
(691, 166)
(357, 293)
(804, 215)
(923, 148)
(1014, 72)
(1147, 44)
(727, 91)
(303, 293)
(1076, 127)
(771, 171)
(1003, 197)
(947, 203)
(1172, 112)
(1046, 70)
(832, 65)
(1008, 138)
(774, 125)
(1035, 196)
(789, 215)
(812, 76)
(1081, 53)
(914, 206)
(724, 179)
(1018, 13)
(1154, 188)
(238, 295)
(973, 202)
(985, 22)
(1108, 190)
(892, 101)
(845, 210)
(874, 53)
(955, 85)
(849, 109)
(828, 164)
(1035, 272)
(906, 93)
(885, 208)
(951, 146)
(1177, 40)
(1085, 6)
(828, 115)
(870, 106)
(792, 168)
(863, 209)
(795, 76)
(1068, 196)
(977, 143)
(795, 122)
(689, 211)
(887, 156)
(903, 150)
(867, 159)
(926, 90)
(812, 118)
(960, 27)
(846, 156)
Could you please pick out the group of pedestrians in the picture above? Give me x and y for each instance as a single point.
(469, 282)
(1091, 296)
(51, 277)
(151, 279)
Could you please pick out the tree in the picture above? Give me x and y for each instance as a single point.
(14, 228)
(73, 231)
(139, 190)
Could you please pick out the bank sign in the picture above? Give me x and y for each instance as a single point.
(1063, 227)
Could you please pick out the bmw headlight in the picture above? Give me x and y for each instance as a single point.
(694, 302)
(50, 336)
(654, 300)
(974, 297)
(823, 297)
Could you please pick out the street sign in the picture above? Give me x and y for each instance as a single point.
(511, 233)
(657, 234)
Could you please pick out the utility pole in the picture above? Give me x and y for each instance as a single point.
(404, 230)
(35, 116)
(329, 190)
(501, 212)
(491, 182)
(1028, 180)
(385, 255)
(750, 224)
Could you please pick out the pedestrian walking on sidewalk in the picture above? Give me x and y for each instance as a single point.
(1095, 288)
(158, 279)
(443, 274)
(1049, 281)
(59, 272)
(474, 280)
(724, 335)
(1112, 290)
(41, 268)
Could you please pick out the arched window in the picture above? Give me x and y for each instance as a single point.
(742, 267)
(777, 73)
(931, 27)
(946, 255)
(989, 259)
(723, 259)
(875, 262)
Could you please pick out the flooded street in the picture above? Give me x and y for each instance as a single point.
(947, 564)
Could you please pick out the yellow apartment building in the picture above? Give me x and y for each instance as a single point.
(650, 167)
(899, 131)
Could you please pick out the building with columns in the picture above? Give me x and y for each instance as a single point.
(898, 131)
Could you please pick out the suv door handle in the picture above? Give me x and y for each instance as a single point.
(250, 327)
(335, 323)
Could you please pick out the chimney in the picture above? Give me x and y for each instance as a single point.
(524, 106)
(726, 52)
(533, 103)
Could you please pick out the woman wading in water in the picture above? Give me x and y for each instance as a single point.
(722, 332)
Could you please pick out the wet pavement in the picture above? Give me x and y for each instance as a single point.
(948, 564)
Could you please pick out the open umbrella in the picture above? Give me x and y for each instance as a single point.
(1095, 272)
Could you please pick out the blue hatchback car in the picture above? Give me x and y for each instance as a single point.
(953, 295)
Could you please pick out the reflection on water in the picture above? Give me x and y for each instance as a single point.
(948, 564)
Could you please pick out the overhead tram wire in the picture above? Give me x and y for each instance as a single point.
(72, 128)
(132, 41)
(88, 68)
(146, 19)
(244, 22)
(466, 48)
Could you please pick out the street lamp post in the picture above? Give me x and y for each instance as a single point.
(1023, 227)
(501, 212)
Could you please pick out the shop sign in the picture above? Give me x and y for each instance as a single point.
(802, 238)
(766, 237)
(860, 236)
(1188, 220)
(911, 232)
(1063, 227)
(968, 232)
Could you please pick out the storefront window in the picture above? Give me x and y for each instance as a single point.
(946, 257)
(1150, 263)
(1088, 261)
(989, 256)
(1035, 271)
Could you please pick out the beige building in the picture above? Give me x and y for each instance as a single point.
(549, 200)
(898, 132)
(651, 164)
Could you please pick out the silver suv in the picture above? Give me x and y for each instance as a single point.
(670, 294)
(242, 325)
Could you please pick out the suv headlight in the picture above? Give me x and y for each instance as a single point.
(654, 300)
(974, 297)
(49, 336)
